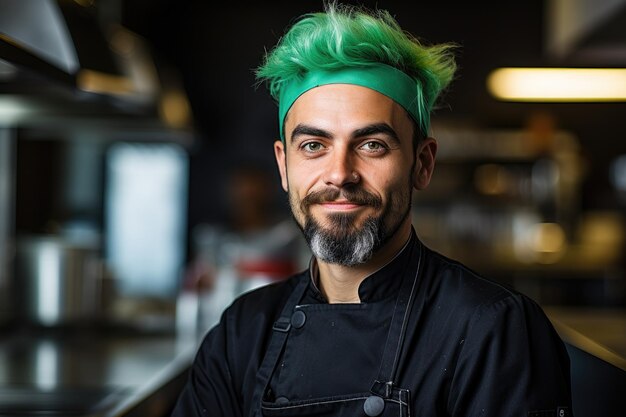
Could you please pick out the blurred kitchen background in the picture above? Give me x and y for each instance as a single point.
(138, 193)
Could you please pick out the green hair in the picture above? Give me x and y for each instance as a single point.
(346, 36)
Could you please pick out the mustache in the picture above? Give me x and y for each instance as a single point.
(354, 195)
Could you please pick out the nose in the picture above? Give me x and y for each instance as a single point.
(341, 169)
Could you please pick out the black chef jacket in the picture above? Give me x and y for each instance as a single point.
(470, 347)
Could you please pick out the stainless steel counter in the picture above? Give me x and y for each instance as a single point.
(596, 342)
(86, 373)
(601, 332)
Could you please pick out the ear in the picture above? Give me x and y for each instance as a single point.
(424, 163)
(281, 161)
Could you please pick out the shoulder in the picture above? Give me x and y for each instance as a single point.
(505, 344)
(461, 284)
(478, 302)
(240, 339)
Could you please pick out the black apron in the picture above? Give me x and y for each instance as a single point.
(384, 398)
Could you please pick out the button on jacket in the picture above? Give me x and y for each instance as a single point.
(429, 338)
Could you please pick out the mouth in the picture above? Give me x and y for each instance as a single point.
(340, 205)
(346, 200)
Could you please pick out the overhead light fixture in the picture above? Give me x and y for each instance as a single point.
(558, 84)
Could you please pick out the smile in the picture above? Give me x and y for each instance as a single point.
(341, 205)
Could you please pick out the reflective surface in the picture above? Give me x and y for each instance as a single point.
(600, 332)
(78, 401)
(87, 373)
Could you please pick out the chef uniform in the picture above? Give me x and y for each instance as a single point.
(429, 338)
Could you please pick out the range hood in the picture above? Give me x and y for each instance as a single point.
(61, 68)
(587, 32)
(61, 41)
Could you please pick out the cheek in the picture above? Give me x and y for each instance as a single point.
(301, 179)
(389, 180)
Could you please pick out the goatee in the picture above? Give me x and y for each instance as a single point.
(341, 242)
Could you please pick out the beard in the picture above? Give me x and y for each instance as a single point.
(347, 249)
(341, 240)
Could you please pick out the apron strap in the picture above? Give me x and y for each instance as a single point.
(383, 385)
(277, 341)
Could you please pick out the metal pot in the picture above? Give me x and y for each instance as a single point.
(58, 280)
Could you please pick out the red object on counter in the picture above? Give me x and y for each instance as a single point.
(271, 268)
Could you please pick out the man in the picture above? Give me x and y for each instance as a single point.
(379, 325)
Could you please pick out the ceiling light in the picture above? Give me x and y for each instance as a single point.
(558, 84)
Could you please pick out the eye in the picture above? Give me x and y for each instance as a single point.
(373, 146)
(312, 147)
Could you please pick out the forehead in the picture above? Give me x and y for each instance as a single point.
(340, 108)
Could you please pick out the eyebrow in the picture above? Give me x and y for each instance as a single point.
(377, 128)
(372, 129)
(309, 131)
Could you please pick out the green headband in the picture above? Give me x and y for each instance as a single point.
(383, 78)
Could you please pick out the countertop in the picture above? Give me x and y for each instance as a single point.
(91, 373)
(600, 332)
(596, 342)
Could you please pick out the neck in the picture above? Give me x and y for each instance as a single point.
(340, 284)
